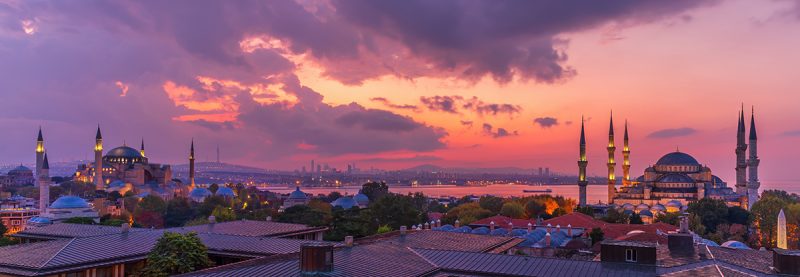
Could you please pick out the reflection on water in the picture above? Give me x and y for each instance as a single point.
(595, 193)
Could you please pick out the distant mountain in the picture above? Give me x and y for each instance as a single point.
(478, 170)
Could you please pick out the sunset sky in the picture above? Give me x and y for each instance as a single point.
(394, 84)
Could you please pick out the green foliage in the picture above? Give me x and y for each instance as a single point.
(114, 195)
(6, 241)
(332, 196)
(712, 212)
(466, 213)
(614, 216)
(213, 188)
(351, 222)
(223, 214)
(384, 229)
(512, 210)
(534, 208)
(669, 218)
(302, 214)
(394, 210)
(585, 210)
(179, 211)
(113, 222)
(696, 224)
(635, 219)
(80, 220)
(765, 212)
(211, 203)
(150, 212)
(491, 203)
(597, 235)
(3, 229)
(738, 215)
(176, 253)
(375, 190)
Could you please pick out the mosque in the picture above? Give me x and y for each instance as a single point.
(676, 179)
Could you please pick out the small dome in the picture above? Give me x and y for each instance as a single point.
(675, 178)
(346, 202)
(628, 206)
(124, 152)
(69, 202)
(361, 199)
(674, 203)
(19, 169)
(677, 158)
(645, 213)
(659, 207)
(199, 193)
(225, 191)
(499, 232)
(735, 244)
(642, 207)
(480, 231)
(298, 194)
(39, 220)
(117, 183)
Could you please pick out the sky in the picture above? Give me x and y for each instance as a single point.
(394, 84)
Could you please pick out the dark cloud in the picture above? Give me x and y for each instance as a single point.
(214, 126)
(546, 122)
(466, 123)
(415, 158)
(376, 120)
(488, 130)
(792, 133)
(671, 133)
(482, 108)
(441, 103)
(392, 105)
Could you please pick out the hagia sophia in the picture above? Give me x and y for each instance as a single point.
(676, 179)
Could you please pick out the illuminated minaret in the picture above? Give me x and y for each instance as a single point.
(191, 166)
(741, 162)
(98, 161)
(626, 159)
(752, 165)
(141, 150)
(782, 230)
(43, 179)
(582, 162)
(612, 180)
(39, 151)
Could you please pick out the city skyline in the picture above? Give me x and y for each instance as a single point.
(341, 92)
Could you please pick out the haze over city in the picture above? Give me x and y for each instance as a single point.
(277, 84)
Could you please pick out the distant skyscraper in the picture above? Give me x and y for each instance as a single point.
(541, 171)
(612, 180)
(582, 162)
(546, 171)
(217, 153)
(782, 230)
(312, 167)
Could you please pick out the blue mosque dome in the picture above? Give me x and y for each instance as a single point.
(346, 202)
(39, 220)
(735, 244)
(677, 158)
(198, 194)
(361, 199)
(124, 152)
(225, 191)
(69, 202)
(499, 232)
(297, 194)
(117, 183)
(481, 231)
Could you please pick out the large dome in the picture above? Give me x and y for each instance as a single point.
(677, 158)
(675, 178)
(297, 194)
(69, 202)
(124, 152)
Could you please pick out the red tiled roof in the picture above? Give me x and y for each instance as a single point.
(502, 221)
(577, 220)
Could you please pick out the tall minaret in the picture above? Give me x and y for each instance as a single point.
(43, 179)
(141, 150)
(98, 161)
(626, 159)
(741, 162)
(39, 151)
(782, 230)
(612, 180)
(191, 166)
(753, 184)
(582, 162)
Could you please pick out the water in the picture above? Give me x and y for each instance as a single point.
(594, 193)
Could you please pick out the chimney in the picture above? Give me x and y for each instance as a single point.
(558, 228)
(348, 241)
(569, 230)
(316, 258)
(491, 226)
(549, 228)
(427, 226)
(212, 219)
(786, 261)
(403, 230)
(510, 226)
(458, 223)
(126, 227)
(547, 240)
(438, 223)
(433, 224)
(269, 218)
(530, 227)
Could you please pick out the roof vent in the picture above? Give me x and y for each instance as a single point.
(348, 241)
(126, 227)
(316, 258)
(786, 261)
(212, 219)
(403, 230)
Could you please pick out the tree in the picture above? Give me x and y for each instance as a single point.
(765, 215)
(3, 229)
(534, 208)
(80, 220)
(375, 190)
(597, 235)
(513, 210)
(383, 229)
(635, 219)
(149, 212)
(585, 210)
(492, 203)
(302, 214)
(176, 253)
(711, 212)
(213, 188)
(738, 215)
(614, 216)
(350, 222)
(332, 196)
(211, 203)
(669, 218)
(395, 210)
(179, 211)
(222, 214)
(113, 222)
(466, 213)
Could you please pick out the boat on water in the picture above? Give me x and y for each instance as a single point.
(537, 190)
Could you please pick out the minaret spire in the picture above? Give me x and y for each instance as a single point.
(191, 166)
(626, 159)
(39, 151)
(741, 160)
(43, 179)
(141, 150)
(582, 163)
(98, 160)
(753, 183)
(612, 180)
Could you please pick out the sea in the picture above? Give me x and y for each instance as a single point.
(594, 192)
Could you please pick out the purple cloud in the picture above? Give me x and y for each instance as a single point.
(546, 122)
(488, 130)
(438, 103)
(671, 133)
(392, 105)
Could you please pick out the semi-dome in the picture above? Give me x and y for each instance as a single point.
(199, 194)
(361, 199)
(677, 158)
(225, 191)
(675, 178)
(19, 169)
(346, 202)
(69, 202)
(297, 194)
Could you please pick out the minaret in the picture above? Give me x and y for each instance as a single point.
(43, 179)
(782, 230)
(626, 159)
(98, 161)
(752, 165)
(39, 151)
(612, 180)
(191, 166)
(741, 162)
(582, 162)
(141, 150)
